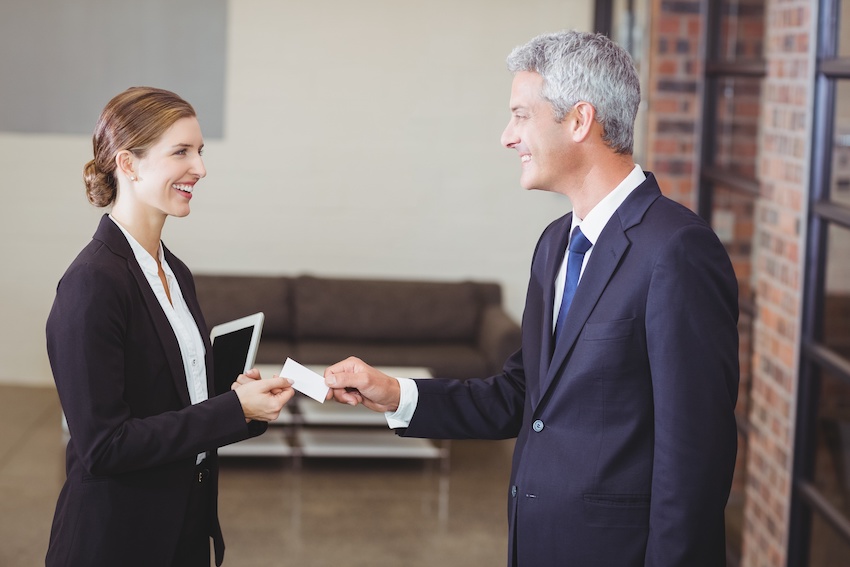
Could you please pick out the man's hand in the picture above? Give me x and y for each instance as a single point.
(353, 382)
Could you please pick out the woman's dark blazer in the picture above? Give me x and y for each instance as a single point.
(135, 435)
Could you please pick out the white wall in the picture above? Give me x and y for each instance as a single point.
(361, 139)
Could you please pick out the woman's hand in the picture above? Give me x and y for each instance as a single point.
(262, 400)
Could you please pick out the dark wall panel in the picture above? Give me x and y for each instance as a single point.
(61, 61)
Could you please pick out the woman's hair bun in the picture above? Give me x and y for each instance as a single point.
(100, 187)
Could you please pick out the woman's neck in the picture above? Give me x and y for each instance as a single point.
(146, 229)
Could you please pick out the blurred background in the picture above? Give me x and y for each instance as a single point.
(361, 139)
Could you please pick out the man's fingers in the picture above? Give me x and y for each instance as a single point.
(343, 379)
(350, 397)
(351, 364)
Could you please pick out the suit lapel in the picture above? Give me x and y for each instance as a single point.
(553, 249)
(109, 233)
(601, 267)
(603, 262)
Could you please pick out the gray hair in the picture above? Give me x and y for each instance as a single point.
(579, 66)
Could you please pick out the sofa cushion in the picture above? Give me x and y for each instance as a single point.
(274, 350)
(224, 298)
(444, 360)
(385, 310)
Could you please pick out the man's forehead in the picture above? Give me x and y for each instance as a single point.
(526, 90)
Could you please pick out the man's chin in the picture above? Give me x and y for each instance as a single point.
(527, 184)
(531, 186)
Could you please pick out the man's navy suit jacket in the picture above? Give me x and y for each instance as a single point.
(135, 436)
(626, 436)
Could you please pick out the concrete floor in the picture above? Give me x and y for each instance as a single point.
(275, 512)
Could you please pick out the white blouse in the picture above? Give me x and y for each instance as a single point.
(185, 328)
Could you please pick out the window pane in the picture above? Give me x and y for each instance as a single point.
(741, 29)
(832, 458)
(840, 186)
(828, 549)
(732, 220)
(843, 31)
(736, 129)
(832, 427)
(832, 470)
(836, 314)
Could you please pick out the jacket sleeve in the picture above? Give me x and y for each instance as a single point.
(491, 408)
(488, 408)
(692, 343)
(87, 342)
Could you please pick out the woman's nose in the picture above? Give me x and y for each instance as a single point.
(199, 168)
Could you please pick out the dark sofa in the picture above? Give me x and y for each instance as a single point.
(456, 329)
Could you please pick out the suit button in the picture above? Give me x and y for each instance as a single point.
(513, 490)
(537, 425)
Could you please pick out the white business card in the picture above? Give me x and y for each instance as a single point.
(305, 380)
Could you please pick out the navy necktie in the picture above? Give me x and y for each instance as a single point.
(579, 245)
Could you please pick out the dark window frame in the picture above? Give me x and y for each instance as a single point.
(815, 356)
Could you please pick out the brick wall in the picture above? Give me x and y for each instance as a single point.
(778, 250)
(675, 72)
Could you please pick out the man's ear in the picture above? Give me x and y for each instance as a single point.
(125, 163)
(581, 118)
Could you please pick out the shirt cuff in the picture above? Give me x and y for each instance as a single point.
(406, 404)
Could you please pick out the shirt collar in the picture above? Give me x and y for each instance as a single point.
(598, 217)
(143, 257)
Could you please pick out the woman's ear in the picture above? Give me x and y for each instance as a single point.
(582, 119)
(125, 163)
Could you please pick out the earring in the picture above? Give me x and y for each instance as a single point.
(132, 178)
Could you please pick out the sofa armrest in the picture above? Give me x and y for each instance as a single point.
(499, 336)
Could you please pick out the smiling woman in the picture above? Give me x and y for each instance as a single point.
(132, 362)
(159, 180)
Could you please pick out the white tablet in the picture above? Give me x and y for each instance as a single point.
(235, 346)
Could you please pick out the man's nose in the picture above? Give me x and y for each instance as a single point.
(509, 138)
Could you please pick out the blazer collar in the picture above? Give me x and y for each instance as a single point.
(112, 237)
(553, 254)
(109, 233)
(608, 250)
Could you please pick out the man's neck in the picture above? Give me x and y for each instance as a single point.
(600, 179)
